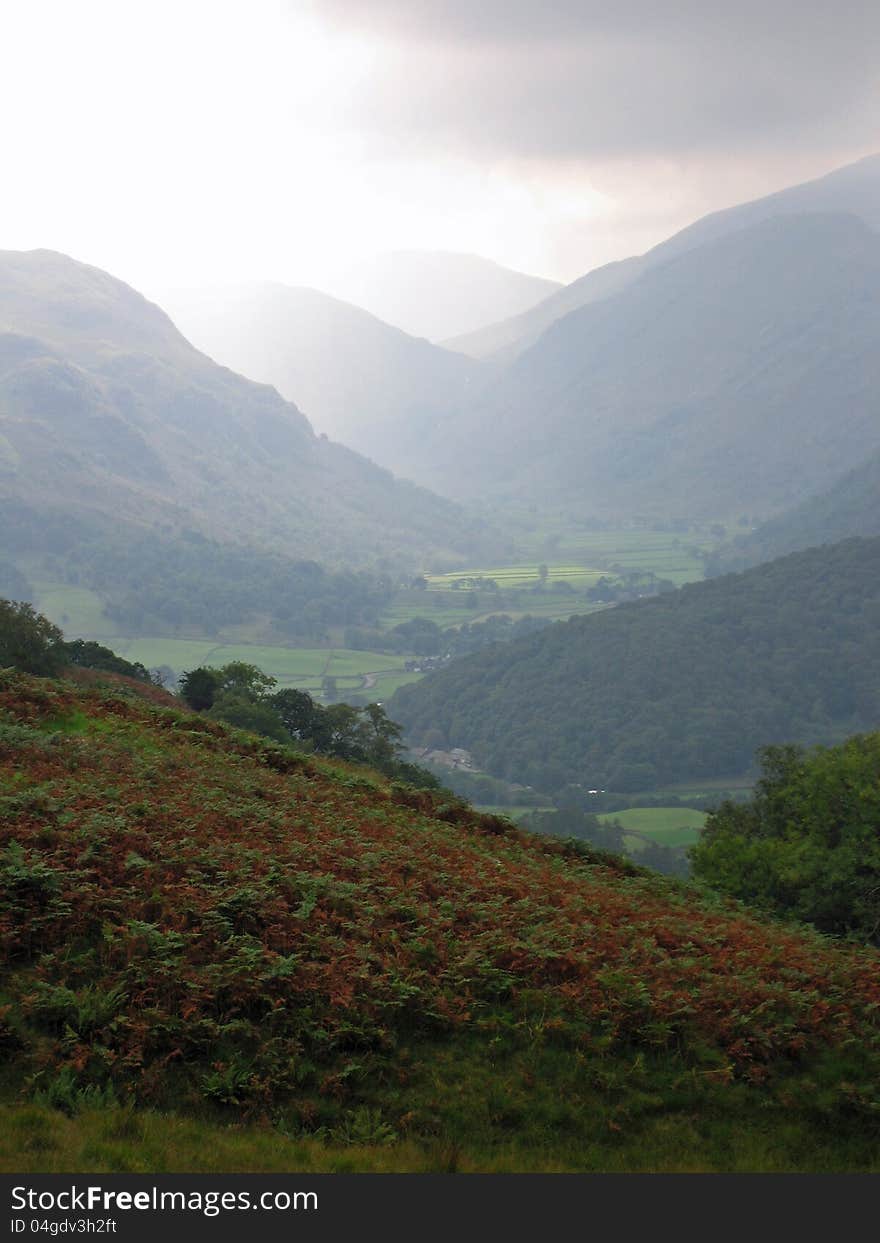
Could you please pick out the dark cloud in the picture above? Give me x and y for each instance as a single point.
(573, 79)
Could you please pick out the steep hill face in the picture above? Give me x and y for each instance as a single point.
(505, 341)
(108, 415)
(195, 919)
(361, 381)
(685, 685)
(850, 508)
(738, 377)
(854, 189)
(439, 294)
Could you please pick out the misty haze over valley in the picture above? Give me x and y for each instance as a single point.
(440, 588)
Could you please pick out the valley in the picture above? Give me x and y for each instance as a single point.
(465, 596)
(439, 705)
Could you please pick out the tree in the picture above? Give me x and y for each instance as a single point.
(240, 678)
(807, 844)
(244, 712)
(199, 687)
(28, 640)
(297, 710)
(203, 686)
(420, 635)
(340, 733)
(381, 736)
(90, 655)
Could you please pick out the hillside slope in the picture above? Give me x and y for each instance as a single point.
(686, 685)
(854, 189)
(850, 508)
(108, 415)
(438, 294)
(738, 377)
(279, 938)
(503, 342)
(360, 380)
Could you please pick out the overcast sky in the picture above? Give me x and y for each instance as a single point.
(175, 142)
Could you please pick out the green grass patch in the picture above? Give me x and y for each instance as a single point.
(512, 577)
(512, 812)
(668, 826)
(78, 611)
(303, 667)
(669, 555)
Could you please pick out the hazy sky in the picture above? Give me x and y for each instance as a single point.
(181, 141)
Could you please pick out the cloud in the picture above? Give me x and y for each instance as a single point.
(577, 80)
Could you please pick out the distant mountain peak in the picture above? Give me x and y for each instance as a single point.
(438, 294)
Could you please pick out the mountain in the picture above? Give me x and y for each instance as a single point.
(439, 294)
(504, 341)
(851, 507)
(684, 686)
(854, 189)
(108, 417)
(358, 379)
(737, 377)
(198, 922)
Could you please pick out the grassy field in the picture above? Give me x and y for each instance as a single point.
(118, 1140)
(517, 576)
(668, 555)
(710, 785)
(578, 560)
(78, 611)
(438, 608)
(668, 826)
(513, 812)
(303, 667)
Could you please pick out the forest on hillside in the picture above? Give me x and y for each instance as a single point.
(686, 685)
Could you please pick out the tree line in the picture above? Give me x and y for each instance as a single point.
(241, 695)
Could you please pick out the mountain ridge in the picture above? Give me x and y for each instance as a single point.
(362, 381)
(438, 294)
(832, 191)
(106, 410)
(733, 378)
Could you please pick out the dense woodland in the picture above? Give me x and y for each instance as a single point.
(686, 685)
(199, 586)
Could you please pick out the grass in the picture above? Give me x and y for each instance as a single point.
(519, 576)
(79, 611)
(512, 812)
(709, 785)
(303, 667)
(668, 826)
(668, 555)
(527, 1113)
(579, 560)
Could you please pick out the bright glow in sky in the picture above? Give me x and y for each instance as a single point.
(180, 142)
